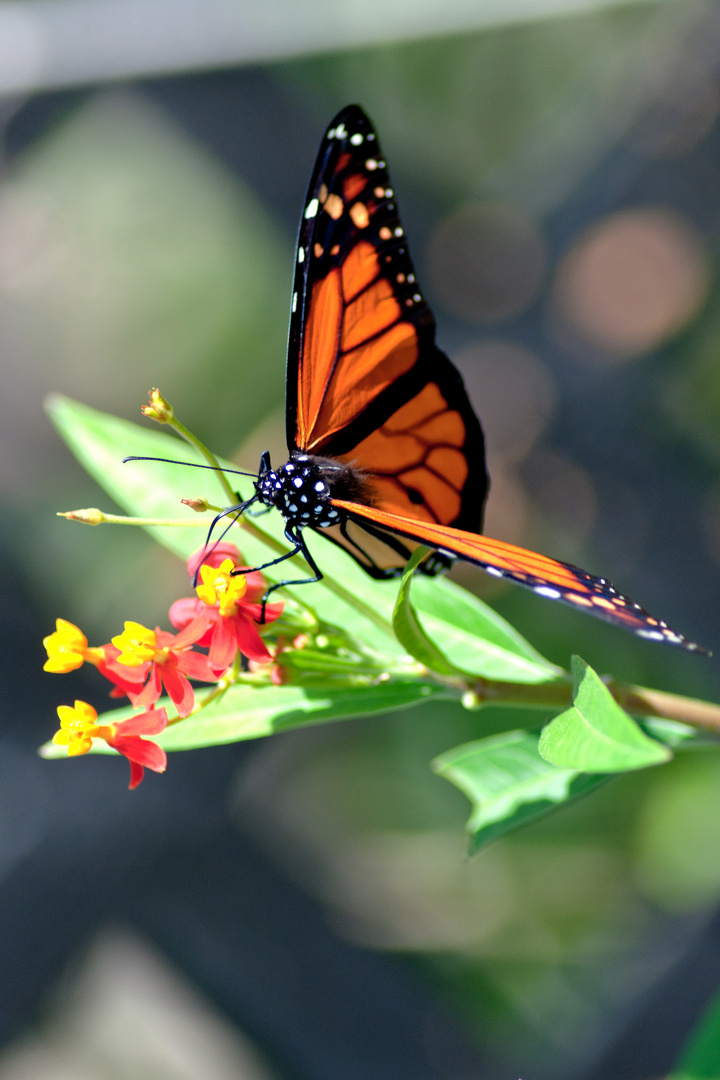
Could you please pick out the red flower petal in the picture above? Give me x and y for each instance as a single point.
(151, 692)
(150, 722)
(223, 647)
(142, 752)
(136, 774)
(196, 666)
(246, 634)
(184, 611)
(194, 631)
(179, 689)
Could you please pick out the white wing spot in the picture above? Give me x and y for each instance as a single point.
(312, 208)
(356, 139)
(340, 131)
(545, 590)
(493, 570)
(294, 302)
(651, 635)
(371, 164)
(297, 482)
(301, 254)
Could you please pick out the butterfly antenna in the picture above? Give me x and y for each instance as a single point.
(239, 509)
(190, 464)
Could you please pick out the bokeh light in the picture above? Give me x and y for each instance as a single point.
(486, 261)
(630, 282)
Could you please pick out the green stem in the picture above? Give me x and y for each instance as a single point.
(176, 425)
(638, 700)
(99, 517)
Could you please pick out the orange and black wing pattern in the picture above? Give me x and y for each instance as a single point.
(367, 386)
(366, 383)
(547, 577)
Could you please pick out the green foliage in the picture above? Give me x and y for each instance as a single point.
(596, 735)
(509, 783)
(351, 646)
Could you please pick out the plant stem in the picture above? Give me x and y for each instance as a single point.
(99, 517)
(638, 700)
(176, 425)
(643, 701)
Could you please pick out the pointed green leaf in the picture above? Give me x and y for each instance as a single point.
(475, 637)
(408, 630)
(508, 783)
(595, 734)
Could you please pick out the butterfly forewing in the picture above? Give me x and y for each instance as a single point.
(366, 382)
(550, 578)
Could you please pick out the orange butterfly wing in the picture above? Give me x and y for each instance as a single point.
(547, 577)
(366, 383)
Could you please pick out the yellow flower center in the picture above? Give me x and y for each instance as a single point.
(78, 728)
(220, 586)
(137, 645)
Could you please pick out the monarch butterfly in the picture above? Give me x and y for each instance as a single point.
(385, 450)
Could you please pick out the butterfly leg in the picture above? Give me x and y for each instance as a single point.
(239, 509)
(299, 548)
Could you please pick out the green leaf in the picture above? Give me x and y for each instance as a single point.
(676, 734)
(700, 1060)
(249, 712)
(478, 639)
(408, 630)
(508, 783)
(595, 734)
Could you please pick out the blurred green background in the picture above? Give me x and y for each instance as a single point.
(559, 180)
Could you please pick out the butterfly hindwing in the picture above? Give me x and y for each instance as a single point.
(366, 383)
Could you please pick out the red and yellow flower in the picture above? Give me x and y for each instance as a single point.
(78, 728)
(171, 664)
(225, 616)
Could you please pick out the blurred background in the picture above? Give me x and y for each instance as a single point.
(302, 907)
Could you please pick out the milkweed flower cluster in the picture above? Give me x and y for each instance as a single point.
(223, 618)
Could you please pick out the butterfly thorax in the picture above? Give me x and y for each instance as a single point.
(303, 489)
